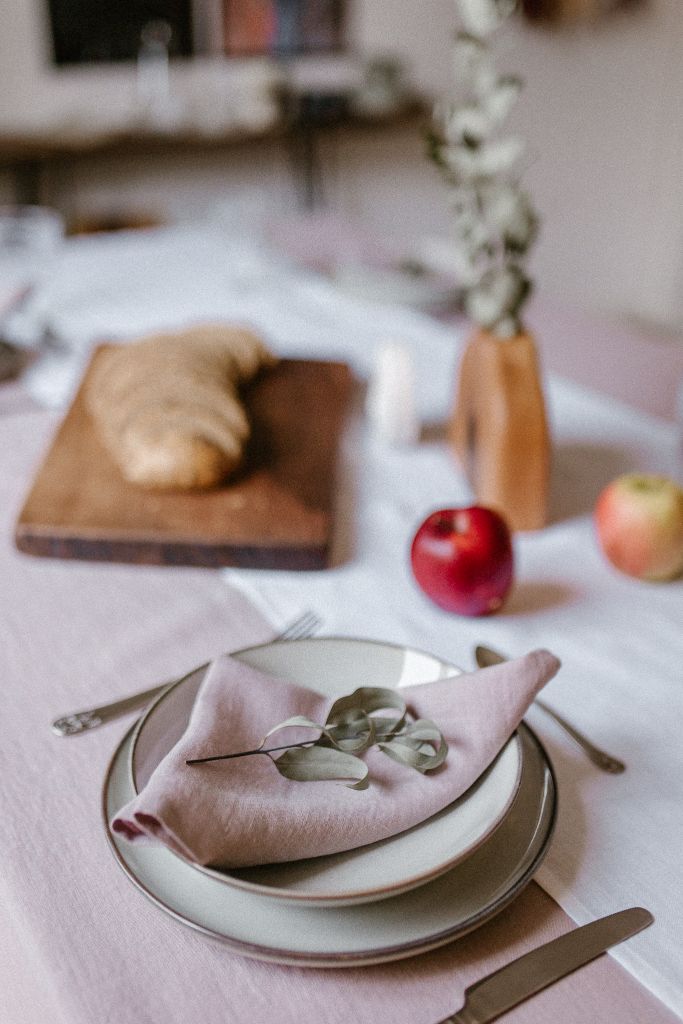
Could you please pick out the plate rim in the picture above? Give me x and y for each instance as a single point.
(340, 959)
(359, 896)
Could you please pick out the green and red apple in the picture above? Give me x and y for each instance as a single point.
(639, 523)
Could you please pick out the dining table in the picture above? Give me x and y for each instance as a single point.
(78, 942)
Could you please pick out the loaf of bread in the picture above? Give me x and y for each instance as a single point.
(167, 407)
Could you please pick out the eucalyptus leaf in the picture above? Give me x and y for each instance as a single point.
(386, 727)
(422, 757)
(322, 764)
(295, 720)
(481, 17)
(501, 97)
(352, 731)
(424, 730)
(368, 699)
(363, 702)
(421, 746)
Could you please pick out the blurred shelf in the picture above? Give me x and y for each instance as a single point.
(28, 155)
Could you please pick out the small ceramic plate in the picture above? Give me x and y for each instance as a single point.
(379, 870)
(256, 926)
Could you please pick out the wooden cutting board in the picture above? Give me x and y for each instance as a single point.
(277, 514)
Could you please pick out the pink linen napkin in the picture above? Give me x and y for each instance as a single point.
(242, 812)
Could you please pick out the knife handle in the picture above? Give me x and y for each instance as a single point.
(81, 721)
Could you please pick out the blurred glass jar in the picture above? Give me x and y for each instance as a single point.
(30, 238)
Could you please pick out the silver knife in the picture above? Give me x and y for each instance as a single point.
(488, 998)
(485, 657)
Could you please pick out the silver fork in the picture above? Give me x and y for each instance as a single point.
(82, 721)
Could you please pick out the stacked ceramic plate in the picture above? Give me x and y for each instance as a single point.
(392, 899)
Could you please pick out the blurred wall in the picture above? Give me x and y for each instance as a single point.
(602, 114)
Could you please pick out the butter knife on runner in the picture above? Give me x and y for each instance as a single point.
(493, 995)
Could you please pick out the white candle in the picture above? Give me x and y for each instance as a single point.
(391, 406)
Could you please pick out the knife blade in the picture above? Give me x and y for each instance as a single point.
(498, 992)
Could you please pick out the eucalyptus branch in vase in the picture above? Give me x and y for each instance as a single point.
(493, 217)
(499, 427)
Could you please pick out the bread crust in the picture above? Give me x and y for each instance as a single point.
(167, 407)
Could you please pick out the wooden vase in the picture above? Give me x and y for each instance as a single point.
(499, 428)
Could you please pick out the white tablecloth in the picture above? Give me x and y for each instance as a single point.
(620, 838)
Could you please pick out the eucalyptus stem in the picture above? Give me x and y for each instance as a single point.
(272, 750)
(246, 753)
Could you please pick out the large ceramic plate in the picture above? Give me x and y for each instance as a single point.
(414, 922)
(335, 666)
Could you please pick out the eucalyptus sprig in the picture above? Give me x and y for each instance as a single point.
(355, 723)
(494, 220)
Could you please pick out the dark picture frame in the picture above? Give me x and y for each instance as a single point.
(95, 31)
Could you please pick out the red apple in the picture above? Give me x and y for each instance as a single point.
(639, 523)
(462, 559)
